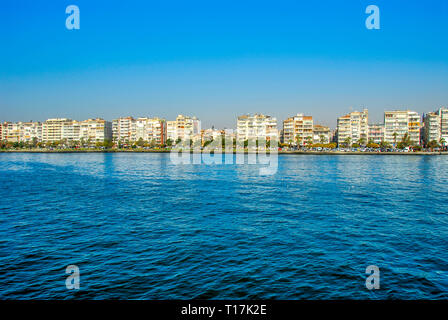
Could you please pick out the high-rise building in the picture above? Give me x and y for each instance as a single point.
(128, 129)
(258, 126)
(398, 123)
(57, 129)
(436, 126)
(353, 128)
(376, 133)
(122, 129)
(321, 134)
(298, 130)
(183, 128)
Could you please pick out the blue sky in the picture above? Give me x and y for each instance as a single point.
(218, 59)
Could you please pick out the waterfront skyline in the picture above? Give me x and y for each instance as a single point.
(215, 60)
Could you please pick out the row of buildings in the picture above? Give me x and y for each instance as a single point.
(126, 129)
(355, 128)
(297, 130)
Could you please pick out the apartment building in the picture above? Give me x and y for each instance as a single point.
(93, 130)
(129, 129)
(354, 127)
(123, 129)
(150, 129)
(298, 130)
(321, 134)
(257, 126)
(435, 126)
(183, 127)
(376, 133)
(398, 123)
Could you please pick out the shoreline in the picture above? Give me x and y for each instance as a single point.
(419, 153)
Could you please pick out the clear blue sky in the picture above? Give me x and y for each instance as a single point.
(218, 59)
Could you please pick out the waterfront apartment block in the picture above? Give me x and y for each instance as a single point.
(321, 134)
(353, 128)
(298, 130)
(376, 133)
(257, 126)
(399, 123)
(21, 131)
(436, 126)
(129, 129)
(184, 127)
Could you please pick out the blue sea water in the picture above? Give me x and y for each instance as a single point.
(140, 227)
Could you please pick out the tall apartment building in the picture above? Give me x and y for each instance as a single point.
(321, 134)
(298, 130)
(150, 129)
(376, 133)
(435, 126)
(183, 127)
(122, 129)
(257, 126)
(353, 126)
(398, 123)
(128, 129)
(94, 130)
(57, 129)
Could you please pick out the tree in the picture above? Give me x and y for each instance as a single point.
(362, 141)
(347, 142)
(299, 140)
(442, 142)
(395, 135)
(140, 142)
(433, 144)
(385, 145)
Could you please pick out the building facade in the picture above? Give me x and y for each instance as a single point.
(399, 123)
(183, 128)
(353, 128)
(321, 134)
(298, 130)
(257, 126)
(376, 133)
(435, 126)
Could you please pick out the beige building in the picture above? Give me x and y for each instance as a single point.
(321, 134)
(436, 126)
(129, 129)
(376, 133)
(353, 127)
(398, 123)
(298, 130)
(183, 128)
(21, 131)
(258, 126)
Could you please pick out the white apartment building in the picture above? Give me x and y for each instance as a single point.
(182, 128)
(398, 123)
(128, 129)
(436, 126)
(93, 130)
(353, 126)
(123, 129)
(57, 129)
(321, 134)
(298, 130)
(256, 127)
(376, 133)
(21, 131)
(150, 129)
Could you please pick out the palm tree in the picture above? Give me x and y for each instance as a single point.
(395, 135)
(347, 142)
